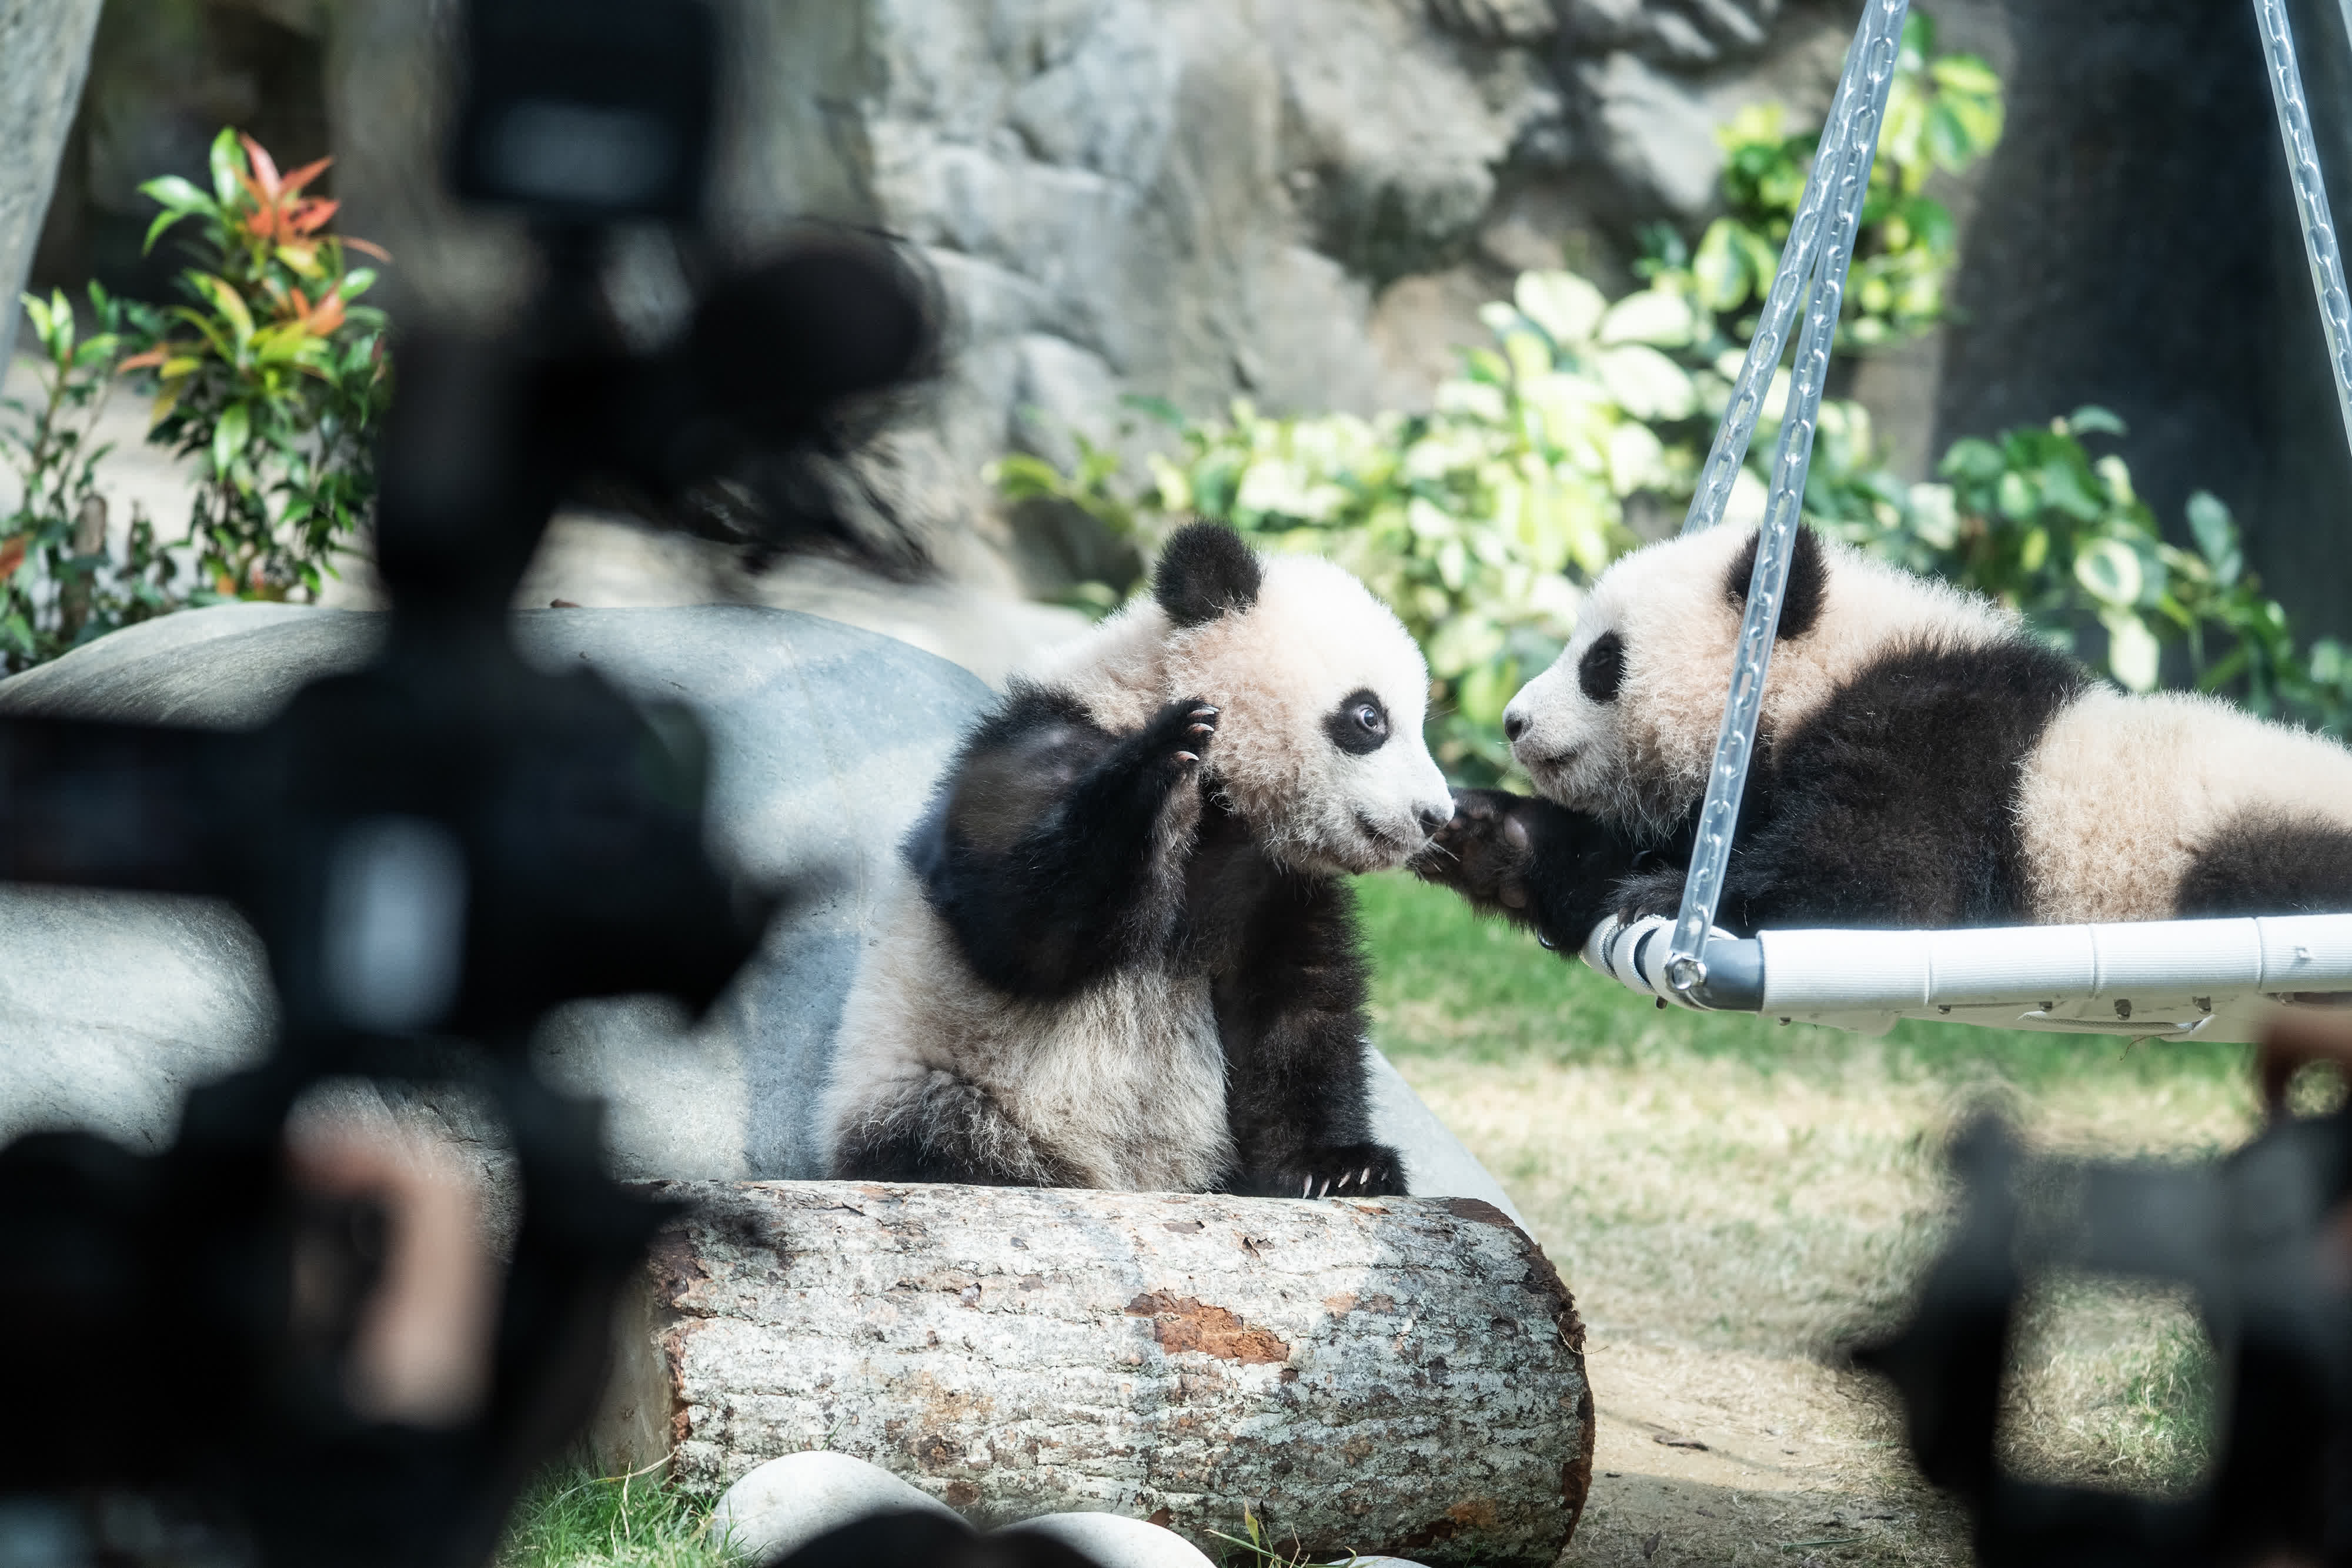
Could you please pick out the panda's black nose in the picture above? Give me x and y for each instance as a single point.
(1435, 817)
(1514, 725)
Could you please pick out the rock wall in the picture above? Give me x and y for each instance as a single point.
(1193, 199)
(44, 52)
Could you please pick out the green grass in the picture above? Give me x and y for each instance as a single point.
(1728, 1188)
(576, 1519)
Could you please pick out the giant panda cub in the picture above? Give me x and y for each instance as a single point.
(1923, 760)
(1122, 955)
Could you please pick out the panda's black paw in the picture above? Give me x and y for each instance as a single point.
(1343, 1170)
(1485, 852)
(1651, 893)
(1178, 736)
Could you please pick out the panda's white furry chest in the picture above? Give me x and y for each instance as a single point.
(1129, 1075)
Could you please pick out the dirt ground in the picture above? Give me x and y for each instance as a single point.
(1726, 1224)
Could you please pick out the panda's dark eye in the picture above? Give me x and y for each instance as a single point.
(1359, 724)
(1603, 669)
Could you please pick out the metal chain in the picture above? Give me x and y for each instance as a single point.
(1876, 47)
(2310, 194)
(1882, 22)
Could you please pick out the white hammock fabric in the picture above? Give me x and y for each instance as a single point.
(2213, 979)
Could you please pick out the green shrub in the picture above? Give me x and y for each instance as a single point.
(60, 584)
(1480, 521)
(1943, 112)
(269, 375)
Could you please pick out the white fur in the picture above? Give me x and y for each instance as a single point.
(1274, 671)
(1642, 760)
(2117, 799)
(1128, 1078)
(1130, 1075)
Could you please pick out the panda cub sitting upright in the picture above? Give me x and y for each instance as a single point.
(1122, 955)
(1923, 760)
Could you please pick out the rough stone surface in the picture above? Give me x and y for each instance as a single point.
(43, 53)
(1188, 199)
(828, 740)
(781, 1506)
(1395, 1375)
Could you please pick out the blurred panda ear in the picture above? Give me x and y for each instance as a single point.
(1809, 576)
(1204, 571)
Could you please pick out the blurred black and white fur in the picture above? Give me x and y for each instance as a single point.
(1123, 954)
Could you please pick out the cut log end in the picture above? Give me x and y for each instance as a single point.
(1389, 1376)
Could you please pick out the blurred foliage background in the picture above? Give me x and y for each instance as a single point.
(1579, 429)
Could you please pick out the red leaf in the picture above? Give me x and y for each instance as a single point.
(306, 218)
(12, 556)
(304, 176)
(368, 246)
(264, 165)
(147, 360)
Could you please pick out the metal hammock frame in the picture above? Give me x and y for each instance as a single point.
(2213, 978)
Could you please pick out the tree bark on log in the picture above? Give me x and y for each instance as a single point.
(1398, 1375)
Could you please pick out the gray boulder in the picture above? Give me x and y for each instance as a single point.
(826, 742)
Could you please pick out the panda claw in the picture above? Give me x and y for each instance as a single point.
(1365, 1176)
(1307, 1188)
(1186, 759)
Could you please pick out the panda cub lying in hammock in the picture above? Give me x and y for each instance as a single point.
(1122, 953)
(1923, 760)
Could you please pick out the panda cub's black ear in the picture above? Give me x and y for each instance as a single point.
(1809, 577)
(1204, 571)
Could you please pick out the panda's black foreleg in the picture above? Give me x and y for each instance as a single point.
(1056, 855)
(1537, 865)
(1291, 1012)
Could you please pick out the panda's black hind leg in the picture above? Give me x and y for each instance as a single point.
(946, 1129)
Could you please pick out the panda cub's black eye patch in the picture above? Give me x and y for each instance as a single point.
(1360, 724)
(1603, 669)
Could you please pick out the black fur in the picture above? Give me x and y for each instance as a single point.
(1360, 724)
(1049, 857)
(2265, 863)
(952, 1132)
(1601, 671)
(1895, 805)
(1040, 851)
(1204, 570)
(1289, 983)
(1538, 865)
(1809, 577)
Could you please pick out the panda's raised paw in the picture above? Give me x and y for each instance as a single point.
(1182, 731)
(1344, 1170)
(1485, 853)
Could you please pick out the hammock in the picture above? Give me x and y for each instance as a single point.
(2212, 978)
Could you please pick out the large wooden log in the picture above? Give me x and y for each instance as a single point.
(1398, 1375)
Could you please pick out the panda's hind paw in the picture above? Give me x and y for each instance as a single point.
(1344, 1170)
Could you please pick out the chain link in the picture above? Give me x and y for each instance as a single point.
(2310, 196)
(1845, 180)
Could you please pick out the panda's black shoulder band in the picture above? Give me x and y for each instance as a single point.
(1205, 570)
